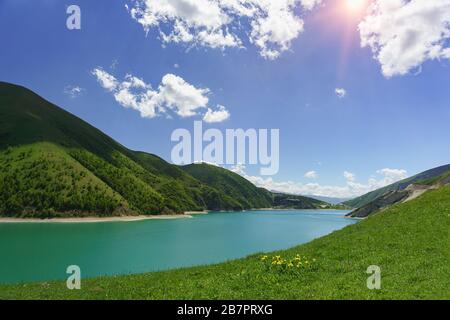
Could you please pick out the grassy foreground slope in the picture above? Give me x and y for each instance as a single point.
(409, 242)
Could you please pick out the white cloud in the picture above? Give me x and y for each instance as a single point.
(106, 80)
(311, 175)
(218, 23)
(181, 96)
(220, 115)
(404, 34)
(392, 175)
(351, 188)
(340, 92)
(173, 93)
(350, 177)
(275, 28)
(239, 169)
(74, 91)
(310, 4)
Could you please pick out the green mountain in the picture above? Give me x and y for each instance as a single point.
(423, 177)
(55, 164)
(286, 201)
(244, 191)
(407, 194)
(232, 185)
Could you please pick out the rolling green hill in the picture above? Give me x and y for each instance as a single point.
(283, 201)
(230, 184)
(55, 164)
(408, 241)
(400, 185)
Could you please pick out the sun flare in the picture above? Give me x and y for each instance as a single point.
(355, 5)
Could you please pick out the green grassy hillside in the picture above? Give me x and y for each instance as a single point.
(428, 175)
(409, 242)
(437, 180)
(55, 164)
(231, 185)
(283, 201)
(41, 179)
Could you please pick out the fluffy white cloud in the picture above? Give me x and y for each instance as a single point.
(350, 177)
(174, 94)
(310, 4)
(217, 23)
(311, 174)
(340, 92)
(275, 27)
(350, 190)
(220, 115)
(181, 96)
(106, 80)
(403, 34)
(74, 91)
(392, 175)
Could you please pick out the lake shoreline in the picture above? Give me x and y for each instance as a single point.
(95, 219)
(185, 215)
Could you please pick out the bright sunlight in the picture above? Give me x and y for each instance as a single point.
(355, 6)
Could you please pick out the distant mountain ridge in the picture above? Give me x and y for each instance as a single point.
(330, 200)
(400, 185)
(421, 183)
(54, 164)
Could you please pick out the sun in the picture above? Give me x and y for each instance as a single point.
(355, 6)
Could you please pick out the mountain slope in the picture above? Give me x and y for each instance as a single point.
(287, 201)
(55, 164)
(400, 185)
(245, 192)
(409, 193)
(231, 185)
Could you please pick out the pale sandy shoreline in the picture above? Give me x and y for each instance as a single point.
(196, 212)
(95, 219)
(186, 215)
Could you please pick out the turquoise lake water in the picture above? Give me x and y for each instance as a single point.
(42, 251)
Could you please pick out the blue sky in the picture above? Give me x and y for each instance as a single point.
(393, 120)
